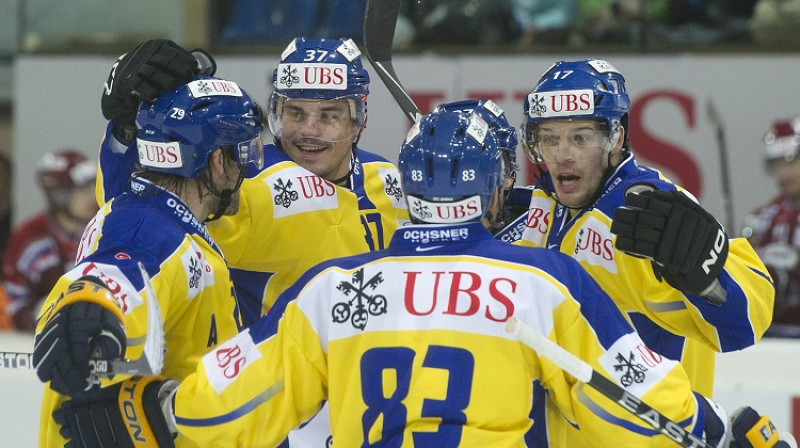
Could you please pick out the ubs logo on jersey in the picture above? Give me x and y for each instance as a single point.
(316, 187)
(538, 220)
(296, 190)
(464, 294)
(126, 294)
(362, 305)
(595, 245)
(285, 194)
(224, 364)
(633, 365)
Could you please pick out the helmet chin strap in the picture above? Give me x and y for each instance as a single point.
(225, 195)
(344, 180)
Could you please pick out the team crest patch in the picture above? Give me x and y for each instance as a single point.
(289, 76)
(634, 365)
(285, 193)
(392, 187)
(632, 371)
(362, 305)
(420, 210)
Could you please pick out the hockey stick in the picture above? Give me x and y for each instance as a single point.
(584, 373)
(150, 362)
(379, 24)
(727, 196)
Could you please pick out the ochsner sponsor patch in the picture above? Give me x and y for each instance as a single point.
(224, 364)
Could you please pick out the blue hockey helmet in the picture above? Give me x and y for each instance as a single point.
(495, 116)
(319, 69)
(586, 89)
(451, 165)
(178, 131)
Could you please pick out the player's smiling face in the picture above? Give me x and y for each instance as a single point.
(576, 154)
(318, 135)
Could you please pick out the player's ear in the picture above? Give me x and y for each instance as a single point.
(216, 162)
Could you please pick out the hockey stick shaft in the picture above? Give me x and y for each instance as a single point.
(585, 373)
(724, 168)
(380, 21)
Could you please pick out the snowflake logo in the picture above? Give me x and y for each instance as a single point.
(358, 309)
(420, 210)
(204, 87)
(634, 372)
(393, 187)
(285, 195)
(289, 77)
(537, 105)
(195, 272)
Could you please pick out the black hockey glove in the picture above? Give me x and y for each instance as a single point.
(751, 430)
(122, 415)
(85, 322)
(687, 245)
(152, 67)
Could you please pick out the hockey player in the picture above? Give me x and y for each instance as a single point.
(194, 146)
(319, 195)
(43, 247)
(773, 227)
(666, 262)
(409, 345)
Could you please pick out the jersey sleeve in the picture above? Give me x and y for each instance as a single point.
(272, 372)
(115, 165)
(738, 323)
(587, 324)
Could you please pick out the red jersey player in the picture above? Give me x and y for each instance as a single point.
(41, 249)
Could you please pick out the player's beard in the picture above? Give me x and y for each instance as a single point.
(233, 207)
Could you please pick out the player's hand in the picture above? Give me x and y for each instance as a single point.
(751, 430)
(152, 67)
(122, 415)
(688, 246)
(85, 322)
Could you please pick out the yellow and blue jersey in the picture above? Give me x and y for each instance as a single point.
(682, 327)
(151, 226)
(290, 219)
(409, 346)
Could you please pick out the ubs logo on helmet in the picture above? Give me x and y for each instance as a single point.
(562, 103)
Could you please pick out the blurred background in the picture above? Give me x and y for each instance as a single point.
(707, 79)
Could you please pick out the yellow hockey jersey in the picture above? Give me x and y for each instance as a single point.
(409, 347)
(151, 226)
(290, 219)
(682, 327)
